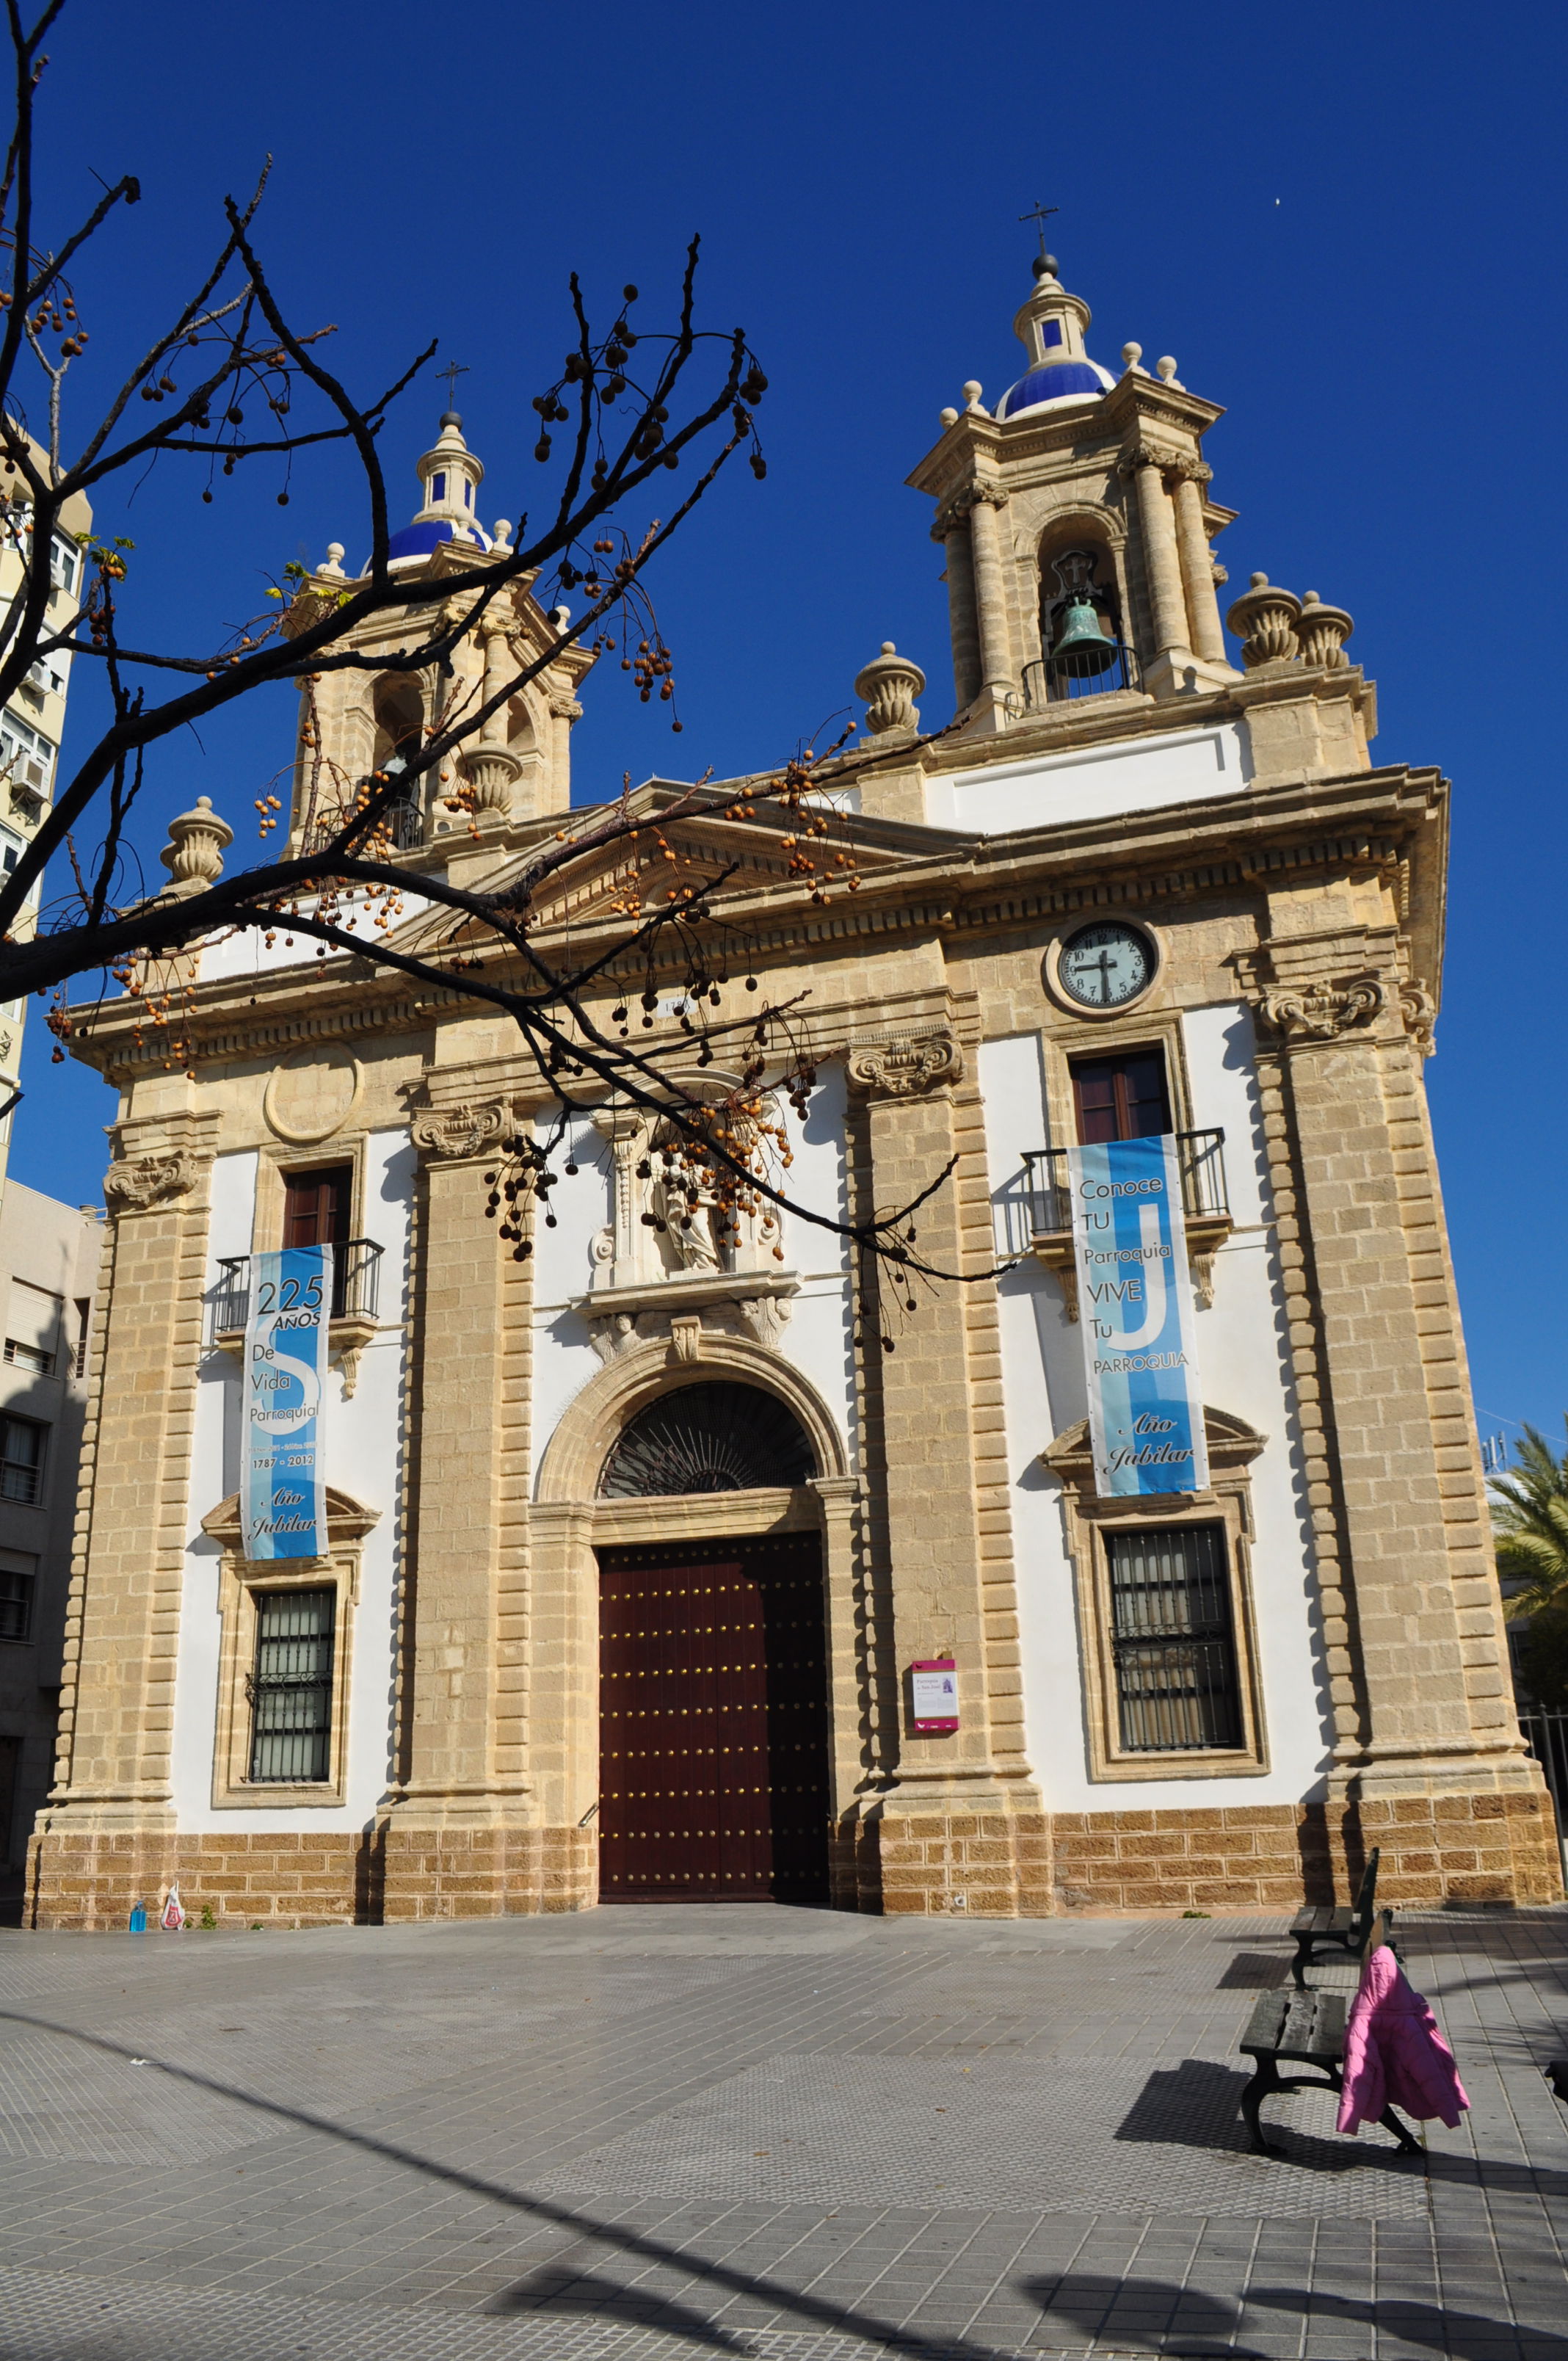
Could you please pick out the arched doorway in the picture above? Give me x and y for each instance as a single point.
(713, 1678)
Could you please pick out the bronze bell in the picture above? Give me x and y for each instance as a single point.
(1082, 651)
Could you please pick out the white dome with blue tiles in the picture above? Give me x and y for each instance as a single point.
(1050, 327)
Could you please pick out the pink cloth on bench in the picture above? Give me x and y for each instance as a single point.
(1394, 2052)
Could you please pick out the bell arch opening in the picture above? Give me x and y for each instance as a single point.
(709, 1437)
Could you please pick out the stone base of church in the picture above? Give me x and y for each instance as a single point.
(459, 1871)
(87, 1881)
(1489, 1847)
(984, 1864)
(1492, 1846)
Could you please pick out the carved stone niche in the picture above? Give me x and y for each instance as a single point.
(660, 1273)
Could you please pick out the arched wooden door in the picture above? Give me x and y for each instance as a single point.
(713, 1722)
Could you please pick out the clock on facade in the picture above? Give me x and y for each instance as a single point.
(1103, 965)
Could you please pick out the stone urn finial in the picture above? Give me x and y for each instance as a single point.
(193, 855)
(1321, 633)
(1264, 619)
(890, 684)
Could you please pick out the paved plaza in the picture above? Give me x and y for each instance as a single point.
(651, 2133)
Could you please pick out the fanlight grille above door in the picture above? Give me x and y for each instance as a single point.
(708, 1438)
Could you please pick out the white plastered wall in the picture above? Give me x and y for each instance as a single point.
(1240, 1347)
(817, 1339)
(364, 1447)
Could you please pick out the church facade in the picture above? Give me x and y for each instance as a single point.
(650, 1575)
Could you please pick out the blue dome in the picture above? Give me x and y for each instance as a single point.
(1057, 383)
(419, 540)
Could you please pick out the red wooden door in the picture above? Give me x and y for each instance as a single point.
(1123, 1097)
(316, 1206)
(713, 1724)
(318, 1210)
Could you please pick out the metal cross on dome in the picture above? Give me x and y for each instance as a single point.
(1040, 215)
(454, 370)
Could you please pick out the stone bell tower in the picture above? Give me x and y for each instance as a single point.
(1078, 495)
(516, 769)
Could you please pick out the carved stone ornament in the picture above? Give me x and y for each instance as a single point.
(1419, 1010)
(755, 1309)
(133, 1183)
(901, 1070)
(471, 1129)
(890, 684)
(1321, 633)
(1323, 1011)
(1264, 619)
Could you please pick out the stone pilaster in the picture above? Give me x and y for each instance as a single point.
(1429, 1761)
(960, 1824)
(105, 1838)
(459, 1833)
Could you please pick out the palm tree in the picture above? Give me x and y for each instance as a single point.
(1530, 1518)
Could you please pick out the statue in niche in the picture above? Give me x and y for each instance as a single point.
(686, 1211)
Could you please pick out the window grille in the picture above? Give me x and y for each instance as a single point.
(1172, 1640)
(21, 1460)
(17, 1589)
(290, 1690)
(29, 1356)
(83, 1332)
(708, 1438)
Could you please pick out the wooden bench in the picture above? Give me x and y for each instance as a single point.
(1305, 2029)
(1340, 1934)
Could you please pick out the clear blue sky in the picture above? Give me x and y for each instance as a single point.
(1349, 234)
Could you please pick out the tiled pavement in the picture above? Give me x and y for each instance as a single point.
(645, 2134)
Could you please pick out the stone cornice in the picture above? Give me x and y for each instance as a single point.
(1242, 843)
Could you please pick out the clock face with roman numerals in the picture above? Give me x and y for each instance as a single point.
(1103, 965)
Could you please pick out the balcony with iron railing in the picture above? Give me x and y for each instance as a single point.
(1036, 1216)
(355, 1312)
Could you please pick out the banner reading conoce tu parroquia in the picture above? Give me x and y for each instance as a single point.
(283, 1495)
(1146, 1409)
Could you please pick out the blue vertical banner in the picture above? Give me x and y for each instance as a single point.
(283, 1495)
(1134, 1298)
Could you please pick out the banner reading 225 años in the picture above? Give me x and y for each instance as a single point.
(1145, 1410)
(283, 1495)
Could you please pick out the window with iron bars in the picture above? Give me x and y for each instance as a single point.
(21, 1460)
(18, 1583)
(1172, 1640)
(291, 1689)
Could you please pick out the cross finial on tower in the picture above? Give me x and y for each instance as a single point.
(1040, 215)
(452, 372)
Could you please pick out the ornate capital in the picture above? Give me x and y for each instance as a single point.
(134, 1183)
(471, 1129)
(901, 1070)
(955, 513)
(1189, 469)
(1323, 1011)
(1144, 454)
